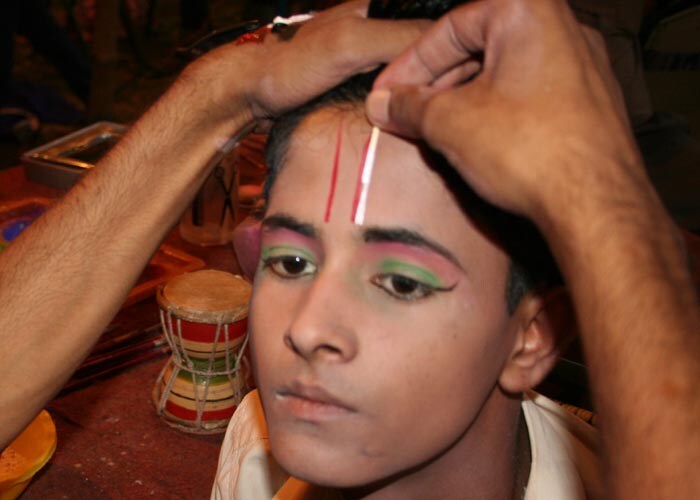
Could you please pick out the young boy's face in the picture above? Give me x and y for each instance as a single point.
(377, 348)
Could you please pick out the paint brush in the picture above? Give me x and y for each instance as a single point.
(358, 216)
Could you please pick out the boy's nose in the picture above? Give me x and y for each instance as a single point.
(321, 330)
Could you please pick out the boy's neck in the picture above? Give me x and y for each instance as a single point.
(491, 461)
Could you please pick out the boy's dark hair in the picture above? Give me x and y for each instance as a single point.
(532, 265)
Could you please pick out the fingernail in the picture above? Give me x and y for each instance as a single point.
(378, 106)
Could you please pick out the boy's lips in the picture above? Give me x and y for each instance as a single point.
(311, 402)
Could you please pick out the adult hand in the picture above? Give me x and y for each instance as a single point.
(517, 95)
(521, 100)
(304, 60)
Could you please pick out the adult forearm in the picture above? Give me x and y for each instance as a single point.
(627, 270)
(67, 275)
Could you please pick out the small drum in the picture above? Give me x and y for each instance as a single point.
(204, 317)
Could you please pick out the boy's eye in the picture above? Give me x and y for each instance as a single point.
(290, 266)
(403, 287)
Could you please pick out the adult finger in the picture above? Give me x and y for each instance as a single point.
(458, 75)
(456, 121)
(347, 45)
(356, 8)
(329, 55)
(456, 38)
(421, 111)
(401, 109)
(383, 40)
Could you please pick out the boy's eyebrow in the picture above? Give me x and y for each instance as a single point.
(407, 237)
(285, 221)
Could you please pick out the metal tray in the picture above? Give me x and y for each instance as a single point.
(62, 162)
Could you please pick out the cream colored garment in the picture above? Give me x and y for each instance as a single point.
(564, 459)
(564, 451)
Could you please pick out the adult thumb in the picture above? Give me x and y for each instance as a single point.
(400, 109)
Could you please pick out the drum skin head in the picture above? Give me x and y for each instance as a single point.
(207, 296)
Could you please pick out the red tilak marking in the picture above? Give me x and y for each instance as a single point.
(334, 173)
(257, 36)
(358, 186)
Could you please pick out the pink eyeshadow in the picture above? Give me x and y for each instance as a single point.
(282, 236)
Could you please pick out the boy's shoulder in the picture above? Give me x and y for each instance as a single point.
(565, 452)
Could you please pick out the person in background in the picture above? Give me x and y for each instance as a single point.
(22, 101)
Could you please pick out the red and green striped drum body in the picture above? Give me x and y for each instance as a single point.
(197, 339)
(217, 396)
(204, 316)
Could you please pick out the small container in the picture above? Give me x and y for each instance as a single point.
(61, 163)
(212, 216)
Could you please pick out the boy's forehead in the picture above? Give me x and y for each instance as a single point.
(316, 139)
(400, 174)
(405, 191)
(317, 132)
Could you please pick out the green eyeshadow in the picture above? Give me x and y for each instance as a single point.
(422, 275)
(283, 250)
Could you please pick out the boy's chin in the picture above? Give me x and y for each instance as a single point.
(330, 469)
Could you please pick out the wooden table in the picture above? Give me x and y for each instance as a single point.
(111, 443)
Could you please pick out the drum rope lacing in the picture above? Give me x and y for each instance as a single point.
(239, 385)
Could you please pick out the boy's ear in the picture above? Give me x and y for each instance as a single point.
(545, 324)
